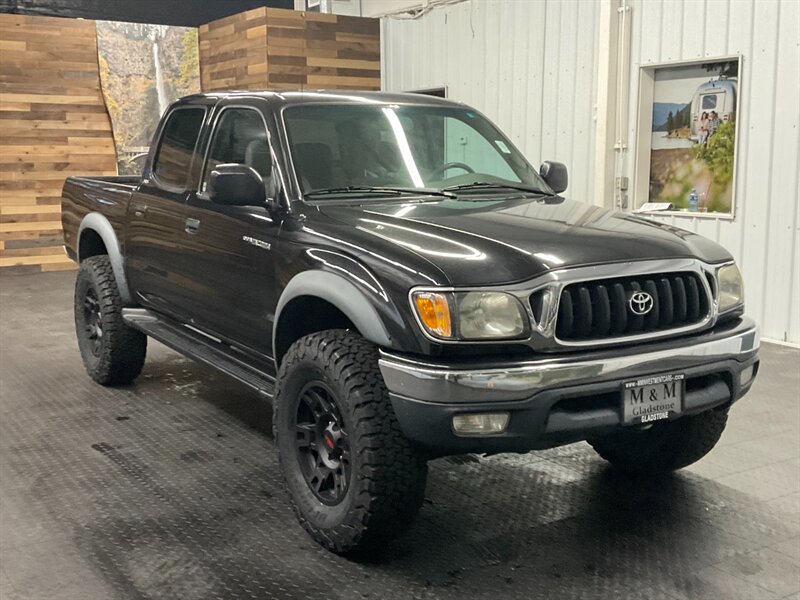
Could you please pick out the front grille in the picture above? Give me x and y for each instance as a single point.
(596, 310)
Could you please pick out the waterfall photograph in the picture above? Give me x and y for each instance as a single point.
(143, 69)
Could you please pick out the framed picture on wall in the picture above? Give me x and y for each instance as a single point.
(686, 137)
(143, 69)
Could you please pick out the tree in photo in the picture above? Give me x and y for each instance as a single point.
(717, 154)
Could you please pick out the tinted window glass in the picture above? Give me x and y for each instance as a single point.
(240, 137)
(402, 146)
(466, 145)
(177, 146)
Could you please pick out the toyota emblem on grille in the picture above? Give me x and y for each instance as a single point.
(641, 303)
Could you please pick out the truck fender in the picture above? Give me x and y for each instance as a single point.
(94, 221)
(341, 293)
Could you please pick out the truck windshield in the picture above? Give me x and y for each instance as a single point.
(336, 147)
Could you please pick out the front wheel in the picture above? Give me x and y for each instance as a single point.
(353, 479)
(666, 446)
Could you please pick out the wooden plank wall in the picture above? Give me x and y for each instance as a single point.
(53, 123)
(233, 52)
(270, 48)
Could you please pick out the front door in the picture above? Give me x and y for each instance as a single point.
(231, 246)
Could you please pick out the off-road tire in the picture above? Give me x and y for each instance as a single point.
(387, 475)
(666, 446)
(119, 357)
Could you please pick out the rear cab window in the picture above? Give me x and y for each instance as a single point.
(177, 145)
(709, 102)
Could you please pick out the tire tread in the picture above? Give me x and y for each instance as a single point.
(390, 483)
(123, 351)
(667, 446)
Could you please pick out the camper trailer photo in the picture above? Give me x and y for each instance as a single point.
(693, 137)
(716, 95)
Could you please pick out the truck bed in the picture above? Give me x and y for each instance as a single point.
(82, 195)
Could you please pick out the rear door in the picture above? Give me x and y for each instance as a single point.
(156, 258)
(230, 249)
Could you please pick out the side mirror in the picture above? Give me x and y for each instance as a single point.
(236, 185)
(554, 175)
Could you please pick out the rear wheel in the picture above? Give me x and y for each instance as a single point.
(112, 352)
(352, 477)
(666, 446)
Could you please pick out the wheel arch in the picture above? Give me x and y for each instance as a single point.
(95, 229)
(326, 301)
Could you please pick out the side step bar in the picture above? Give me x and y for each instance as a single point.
(199, 347)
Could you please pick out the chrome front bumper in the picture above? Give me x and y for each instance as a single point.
(440, 383)
(564, 399)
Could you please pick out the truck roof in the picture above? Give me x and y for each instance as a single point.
(290, 97)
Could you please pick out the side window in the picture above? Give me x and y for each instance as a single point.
(240, 137)
(177, 144)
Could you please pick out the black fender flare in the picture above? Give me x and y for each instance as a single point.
(342, 294)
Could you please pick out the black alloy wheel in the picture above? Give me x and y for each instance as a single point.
(112, 352)
(354, 480)
(323, 448)
(93, 321)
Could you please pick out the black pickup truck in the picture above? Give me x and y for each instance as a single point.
(393, 274)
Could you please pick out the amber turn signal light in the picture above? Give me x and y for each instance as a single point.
(434, 313)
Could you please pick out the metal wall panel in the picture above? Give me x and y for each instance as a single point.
(764, 237)
(531, 67)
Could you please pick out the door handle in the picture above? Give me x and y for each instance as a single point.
(140, 210)
(191, 225)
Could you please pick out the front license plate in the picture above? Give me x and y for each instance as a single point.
(652, 398)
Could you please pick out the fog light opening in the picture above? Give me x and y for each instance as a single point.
(746, 376)
(480, 424)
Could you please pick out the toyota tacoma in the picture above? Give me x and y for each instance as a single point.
(395, 277)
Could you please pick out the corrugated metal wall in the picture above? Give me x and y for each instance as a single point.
(530, 66)
(764, 237)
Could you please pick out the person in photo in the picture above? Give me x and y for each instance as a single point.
(713, 123)
(702, 134)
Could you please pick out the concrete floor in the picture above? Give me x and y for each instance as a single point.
(170, 489)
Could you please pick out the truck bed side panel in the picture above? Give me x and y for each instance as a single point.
(108, 196)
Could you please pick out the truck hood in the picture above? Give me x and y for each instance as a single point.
(497, 241)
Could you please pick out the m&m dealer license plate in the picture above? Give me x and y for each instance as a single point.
(653, 398)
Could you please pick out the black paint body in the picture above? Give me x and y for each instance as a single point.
(207, 275)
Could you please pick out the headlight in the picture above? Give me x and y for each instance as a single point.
(470, 315)
(489, 315)
(731, 287)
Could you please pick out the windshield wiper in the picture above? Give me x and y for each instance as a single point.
(394, 191)
(477, 185)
